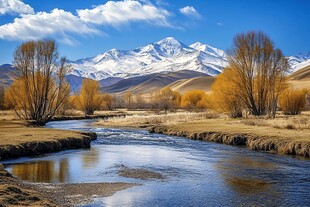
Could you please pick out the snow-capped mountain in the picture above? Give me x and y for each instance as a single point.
(299, 61)
(166, 55)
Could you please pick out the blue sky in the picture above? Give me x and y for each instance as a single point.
(86, 28)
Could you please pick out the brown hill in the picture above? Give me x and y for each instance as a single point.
(301, 78)
(150, 83)
(199, 83)
(6, 74)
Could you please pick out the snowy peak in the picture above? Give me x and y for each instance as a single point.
(299, 61)
(170, 46)
(166, 55)
(208, 49)
(170, 42)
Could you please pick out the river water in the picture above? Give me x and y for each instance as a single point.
(196, 173)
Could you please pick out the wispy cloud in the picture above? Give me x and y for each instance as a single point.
(57, 23)
(190, 11)
(14, 7)
(219, 24)
(123, 12)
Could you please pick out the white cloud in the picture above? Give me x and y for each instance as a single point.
(219, 24)
(190, 11)
(64, 26)
(123, 12)
(58, 23)
(14, 7)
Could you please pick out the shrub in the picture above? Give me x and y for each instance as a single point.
(293, 101)
(194, 99)
(224, 96)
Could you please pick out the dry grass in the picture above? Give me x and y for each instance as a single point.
(15, 133)
(298, 122)
(16, 140)
(232, 126)
(234, 132)
(140, 120)
(7, 115)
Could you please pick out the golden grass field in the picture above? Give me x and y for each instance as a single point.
(17, 132)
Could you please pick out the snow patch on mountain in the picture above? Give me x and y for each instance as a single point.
(299, 61)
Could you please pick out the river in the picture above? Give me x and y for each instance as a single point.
(196, 173)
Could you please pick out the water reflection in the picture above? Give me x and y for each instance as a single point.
(42, 171)
(63, 171)
(247, 185)
(248, 176)
(90, 159)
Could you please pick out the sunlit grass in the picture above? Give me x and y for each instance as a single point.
(155, 119)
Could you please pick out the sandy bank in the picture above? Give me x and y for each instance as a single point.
(17, 139)
(139, 173)
(281, 141)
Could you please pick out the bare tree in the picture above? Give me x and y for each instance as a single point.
(260, 69)
(39, 88)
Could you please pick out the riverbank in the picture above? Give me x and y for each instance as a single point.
(19, 139)
(15, 192)
(289, 135)
(102, 115)
(231, 132)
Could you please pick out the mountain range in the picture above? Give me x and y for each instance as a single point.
(149, 68)
(166, 55)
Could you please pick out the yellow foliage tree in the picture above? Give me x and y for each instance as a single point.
(167, 99)
(90, 97)
(293, 101)
(225, 94)
(39, 88)
(204, 103)
(193, 99)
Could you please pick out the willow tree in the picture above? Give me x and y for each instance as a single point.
(260, 70)
(90, 98)
(225, 94)
(39, 88)
(167, 99)
(193, 99)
